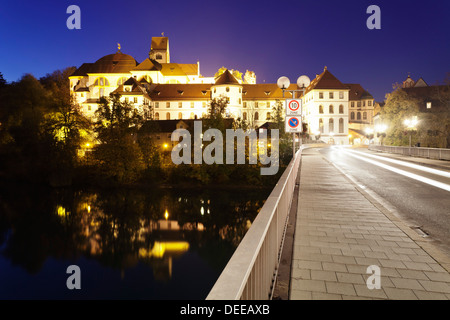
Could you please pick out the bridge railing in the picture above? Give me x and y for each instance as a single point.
(431, 153)
(250, 273)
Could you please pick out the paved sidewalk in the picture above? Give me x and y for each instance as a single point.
(341, 231)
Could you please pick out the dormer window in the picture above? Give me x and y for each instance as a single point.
(267, 92)
(180, 92)
(204, 92)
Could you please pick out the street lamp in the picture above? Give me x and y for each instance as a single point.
(302, 82)
(411, 126)
(380, 129)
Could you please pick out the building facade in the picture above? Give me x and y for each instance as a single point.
(163, 90)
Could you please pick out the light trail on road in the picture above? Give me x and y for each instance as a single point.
(414, 176)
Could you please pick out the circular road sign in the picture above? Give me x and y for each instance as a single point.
(293, 105)
(293, 122)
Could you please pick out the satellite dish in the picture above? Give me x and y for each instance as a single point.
(303, 81)
(283, 82)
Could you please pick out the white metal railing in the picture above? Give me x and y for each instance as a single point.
(250, 273)
(431, 153)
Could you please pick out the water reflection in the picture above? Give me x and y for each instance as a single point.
(125, 229)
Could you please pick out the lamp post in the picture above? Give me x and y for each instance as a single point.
(411, 126)
(381, 131)
(302, 82)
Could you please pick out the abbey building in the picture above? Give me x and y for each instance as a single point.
(163, 90)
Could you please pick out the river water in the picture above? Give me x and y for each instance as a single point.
(128, 243)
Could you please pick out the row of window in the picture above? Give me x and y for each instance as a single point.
(331, 95)
(194, 116)
(358, 116)
(331, 109)
(256, 104)
(331, 127)
(358, 103)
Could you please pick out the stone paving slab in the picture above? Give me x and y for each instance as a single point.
(341, 231)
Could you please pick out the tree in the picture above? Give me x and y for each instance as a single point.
(118, 153)
(399, 107)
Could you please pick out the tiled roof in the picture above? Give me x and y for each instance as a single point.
(197, 91)
(82, 71)
(114, 63)
(326, 80)
(357, 92)
(148, 65)
(266, 91)
(226, 78)
(159, 43)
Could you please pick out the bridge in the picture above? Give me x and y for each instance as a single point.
(346, 225)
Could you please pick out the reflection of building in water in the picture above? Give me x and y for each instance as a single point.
(164, 252)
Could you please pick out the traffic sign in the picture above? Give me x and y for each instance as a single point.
(293, 107)
(293, 124)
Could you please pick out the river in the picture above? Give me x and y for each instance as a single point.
(129, 243)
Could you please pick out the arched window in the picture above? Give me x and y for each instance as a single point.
(341, 125)
(341, 109)
(244, 116)
(101, 82)
(268, 116)
(192, 115)
(331, 109)
(256, 116)
(157, 116)
(358, 116)
(168, 116)
(352, 116)
(320, 109)
(321, 125)
(331, 125)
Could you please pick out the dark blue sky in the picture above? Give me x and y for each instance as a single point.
(272, 38)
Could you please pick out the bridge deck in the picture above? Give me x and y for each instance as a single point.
(340, 231)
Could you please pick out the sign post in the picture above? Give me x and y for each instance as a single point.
(293, 122)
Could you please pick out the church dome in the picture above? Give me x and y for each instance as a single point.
(114, 63)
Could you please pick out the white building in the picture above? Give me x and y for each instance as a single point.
(164, 90)
(325, 107)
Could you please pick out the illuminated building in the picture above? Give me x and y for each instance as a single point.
(163, 90)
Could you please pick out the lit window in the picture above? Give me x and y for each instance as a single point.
(192, 104)
(135, 100)
(180, 104)
(156, 104)
(167, 104)
(331, 125)
(364, 115)
(168, 116)
(369, 103)
(268, 116)
(341, 95)
(331, 109)
(157, 116)
(428, 105)
(320, 109)
(341, 125)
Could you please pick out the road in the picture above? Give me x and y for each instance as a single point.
(418, 194)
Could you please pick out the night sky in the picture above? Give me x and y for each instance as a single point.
(272, 38)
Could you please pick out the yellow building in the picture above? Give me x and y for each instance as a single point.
(163, 90)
